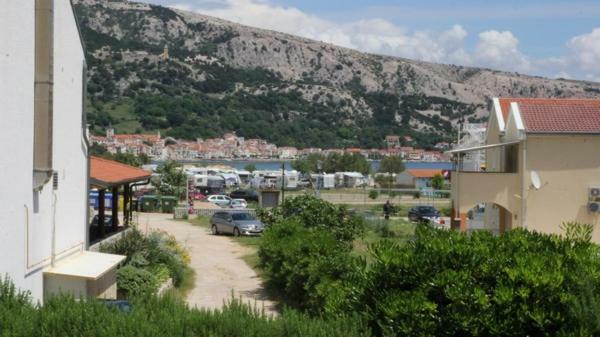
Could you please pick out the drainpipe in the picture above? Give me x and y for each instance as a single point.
(53, 252)
(456, 205)
(523, 184)
(43, 92)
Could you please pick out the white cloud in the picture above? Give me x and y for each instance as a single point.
(586, 50)
(501, 50)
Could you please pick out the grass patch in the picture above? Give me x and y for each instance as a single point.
(251, 259)
(397, 230)
(200, 220)
(187, 284)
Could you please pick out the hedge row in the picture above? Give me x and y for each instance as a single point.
(154, 316)
(439, 283)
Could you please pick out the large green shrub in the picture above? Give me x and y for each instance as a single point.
(303, 264)
(316, 213)
(151, 255)
(156, 316)
(306, 251)
(445, 283)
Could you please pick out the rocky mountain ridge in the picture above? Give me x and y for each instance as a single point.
(333, 94)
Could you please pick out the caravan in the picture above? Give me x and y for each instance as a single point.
(349, 179)
(323, 181)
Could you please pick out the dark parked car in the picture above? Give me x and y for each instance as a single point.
(119, 305)
(244, 194)
(107, 221)
(236, 223)
(424, 214)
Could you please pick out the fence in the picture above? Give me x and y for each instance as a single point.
(211, 211)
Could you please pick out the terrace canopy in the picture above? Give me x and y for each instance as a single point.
(111, 175)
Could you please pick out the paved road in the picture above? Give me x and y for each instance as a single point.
(220, 271)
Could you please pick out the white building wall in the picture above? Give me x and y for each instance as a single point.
(21, 209)
(16, 113)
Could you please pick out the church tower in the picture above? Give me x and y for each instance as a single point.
(165, 54)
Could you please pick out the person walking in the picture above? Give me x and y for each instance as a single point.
(387, 209)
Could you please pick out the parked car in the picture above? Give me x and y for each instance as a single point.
(238, 203)
(236, 223)
(107, 220)
(118, 305)
(425, 214)
(199, 196)
(95, 229)
(304, 183)
(221, 200)
(244, 194)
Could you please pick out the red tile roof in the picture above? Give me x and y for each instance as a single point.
(561, 116)
(108, 172)
(544, 115)
(423, 173)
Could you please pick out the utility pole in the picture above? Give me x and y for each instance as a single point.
(320, 178)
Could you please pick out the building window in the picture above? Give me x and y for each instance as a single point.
(43, 93)
(511, 159)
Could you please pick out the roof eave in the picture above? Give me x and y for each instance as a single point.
(102, 183)
(583, 133)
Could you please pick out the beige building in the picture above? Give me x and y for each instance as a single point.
(542, 168)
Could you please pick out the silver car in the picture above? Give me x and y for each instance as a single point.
(220, 200)
(236, 223)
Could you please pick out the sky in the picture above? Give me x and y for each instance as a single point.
(552, 38)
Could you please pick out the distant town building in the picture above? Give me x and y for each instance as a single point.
(392, 141)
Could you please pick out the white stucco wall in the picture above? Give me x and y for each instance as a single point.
(19, 205)
(568, 165)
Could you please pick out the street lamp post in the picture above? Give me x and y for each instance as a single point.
(320, 178)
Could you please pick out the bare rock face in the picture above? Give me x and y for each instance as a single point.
(429, 97)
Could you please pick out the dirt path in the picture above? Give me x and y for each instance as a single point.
(217, 260)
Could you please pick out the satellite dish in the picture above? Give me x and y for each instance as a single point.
(535, 180)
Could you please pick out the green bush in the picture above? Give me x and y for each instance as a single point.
(373, 194)
(445, 283)
(303, 265)
(306, 251)
(135, 281)
(316, 213)
(156, 253)
(156, 316)
(382, 228)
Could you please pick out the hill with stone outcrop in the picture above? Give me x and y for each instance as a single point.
(221, 76)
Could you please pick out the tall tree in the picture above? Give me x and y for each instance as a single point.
(250, 168)
(171, 179)
(309, 164)
(391, 164)
(437, 182)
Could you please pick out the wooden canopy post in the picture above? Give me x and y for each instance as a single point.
(101, 206)
(126, 205)
(115, 208)
(131, 210)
